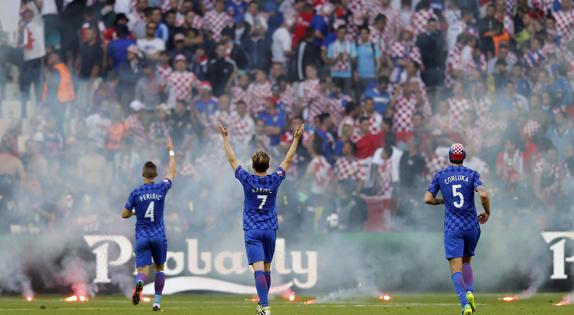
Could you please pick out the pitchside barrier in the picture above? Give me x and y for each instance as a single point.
(363, 263)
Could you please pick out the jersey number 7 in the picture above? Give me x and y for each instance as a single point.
(263, 200)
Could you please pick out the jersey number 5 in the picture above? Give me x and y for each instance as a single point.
(263, 200)
(456, 193)
(149, 212)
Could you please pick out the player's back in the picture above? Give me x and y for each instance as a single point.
(457, 185)
(148, 200)
(260, 194)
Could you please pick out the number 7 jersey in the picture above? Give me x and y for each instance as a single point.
(148, 201)
(457, 185)
(260, 193)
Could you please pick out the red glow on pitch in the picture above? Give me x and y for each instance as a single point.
(82, 298)
(565, 301)
(29, 298)
(292, 297)
(146, 299)
(311, 302)
(385, 298)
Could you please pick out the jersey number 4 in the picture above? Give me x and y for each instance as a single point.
(456, 193)
(149, 212)
(263, 200)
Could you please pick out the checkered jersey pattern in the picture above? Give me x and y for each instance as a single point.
(243, 128)
(533, 59)
(419, 21)
(158, 130)
(401, 50)
(384, 179)
(196, 22)
(141, 200)
(457, 185)
(136, 130)
(403, 116)
(287, 99)
(476, 66)
(342, 48)
(426, 105)
(564, 24)
(164, 72)
(531, 128)
(322, 174)
(216, 22)
(375, 8)
(258, 94)
(434, 164)
(457, 107)
(453, 63)
(482, 105)
(380, 39)
(182, 84)
(260, 193)
(349, 168)
(239, 94)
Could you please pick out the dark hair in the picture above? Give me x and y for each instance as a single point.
(380, 17)
(351, 106)
(322, 117)
(384, 80)
(149, 170)
(363, 119)
(260, 161)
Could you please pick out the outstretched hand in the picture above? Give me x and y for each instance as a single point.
(169, 144)
(223, 130)
(299, 131)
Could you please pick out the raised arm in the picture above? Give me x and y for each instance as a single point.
(293, 148)
(171, 166)
(228, 149)
(485, 200)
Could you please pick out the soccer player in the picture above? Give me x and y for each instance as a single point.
(260, 212)
(457, 185)
(146, 202)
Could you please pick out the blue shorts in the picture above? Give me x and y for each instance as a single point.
(461, 243)
(148, 248)
(260, 245)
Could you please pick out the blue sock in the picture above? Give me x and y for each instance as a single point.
(159, 283)
(468, 277)
(140, 277)
(268, 278)
(459, 287)
(157, 299)
(261, 285)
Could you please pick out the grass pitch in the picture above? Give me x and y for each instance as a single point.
(431, 304)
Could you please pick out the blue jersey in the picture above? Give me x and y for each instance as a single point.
(259, 208)
(457, 185)
(148, 201)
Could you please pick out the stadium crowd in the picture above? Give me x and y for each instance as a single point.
(383, 86)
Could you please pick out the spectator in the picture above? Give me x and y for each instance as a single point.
(324, 139)
(321, 24)
(242, 125)
(510, 165)
(216, 20)
(34, 51)
(380, 95)
(341, 56)
(234, 52)
(368, 62)
(560, 134)
(129, 73)
(281, 46)
(367, 142)
(274, 121)
(258, 92)
(431, 45)
(307, 55)
(151, 45)
(206, 104)
(221, 71)
(411, 166)
(58, 88)
(118, 48)
(90, 67)
(150, 88)
(179, 48)
(181, 82)
(349, 210)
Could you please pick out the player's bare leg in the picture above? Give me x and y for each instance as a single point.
(469, 281)
(262, 287)
(140, 277)
(159, 283)
(459, 285)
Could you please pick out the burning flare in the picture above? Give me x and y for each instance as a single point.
(385, 298)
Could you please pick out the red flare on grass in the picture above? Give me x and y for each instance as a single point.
(29, 298)
(72, 298)
(146, 299)
(310, 302)
(385, 298)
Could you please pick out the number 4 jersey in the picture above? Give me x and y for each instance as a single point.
(259, 209)
(457, 185)
(148, 201)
